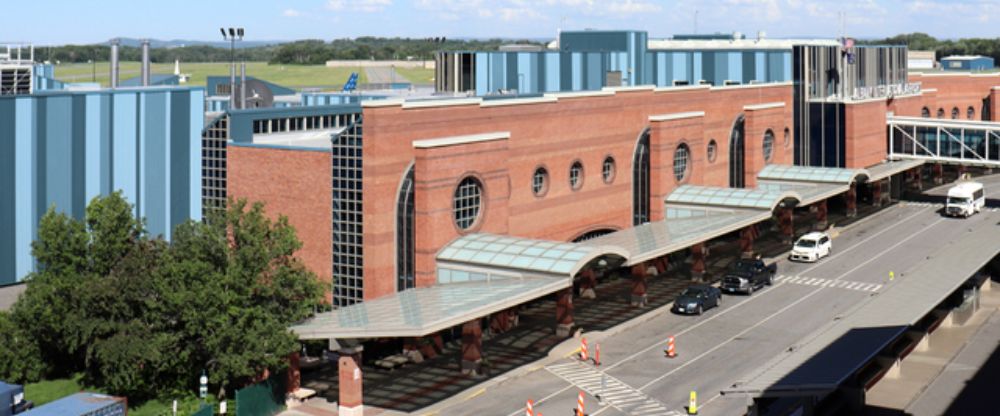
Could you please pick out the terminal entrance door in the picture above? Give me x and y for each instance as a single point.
(736, 154)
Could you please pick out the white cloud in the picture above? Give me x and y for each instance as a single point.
(291, 13)
(366, 6)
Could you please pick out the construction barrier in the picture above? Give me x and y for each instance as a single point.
(693, 403)
(529, 410)
(597, 355)
(579, 404)
(583, 349)
(670, 347)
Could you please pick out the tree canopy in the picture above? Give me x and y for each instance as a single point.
(142, 317)
(944, 47)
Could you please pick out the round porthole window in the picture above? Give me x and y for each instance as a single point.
(768, 145)
(540, 181)
(681, 157)
(576, 175)
(608, 169)
(467, 202)
(712, 149)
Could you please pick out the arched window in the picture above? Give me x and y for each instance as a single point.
(940, 113)
(954, 113)
(736, 154)
(608, 169)
(768, 145)
(576, 175)
(681, 157)
(788, 137)
(925, 112)
(467, 203)
(970, 113)
(712, 149)
(589, 235)
(640, 180)
(404, 234)
(540, 182)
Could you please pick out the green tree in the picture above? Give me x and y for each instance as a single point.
(20, 360)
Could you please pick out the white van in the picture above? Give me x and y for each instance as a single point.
(965, 199)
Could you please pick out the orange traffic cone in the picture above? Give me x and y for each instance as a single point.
(670, 348)
(529, 410)
(597, 355)
(579, 404)
(583, 349)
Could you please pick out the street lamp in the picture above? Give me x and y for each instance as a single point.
(234, 34)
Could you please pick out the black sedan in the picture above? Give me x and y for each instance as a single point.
(696, 299)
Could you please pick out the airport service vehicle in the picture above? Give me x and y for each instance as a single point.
(811, 247)
(696, 299)
(747, 275)
(965, 199)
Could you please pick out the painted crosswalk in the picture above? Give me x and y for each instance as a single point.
(616, 393)
(924, 204)
(838, 284)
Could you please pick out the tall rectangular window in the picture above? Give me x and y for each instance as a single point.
(348, 251)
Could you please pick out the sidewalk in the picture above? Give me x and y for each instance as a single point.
(939, 366)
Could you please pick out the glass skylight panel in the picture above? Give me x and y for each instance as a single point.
(553, 253)
(483, 256)
(533, 251)
(464, 254)
(475, 245)
(574, 255)
(542, 264)
(502, 259)
(562, 266)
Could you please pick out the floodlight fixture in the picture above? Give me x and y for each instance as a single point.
(223, 33)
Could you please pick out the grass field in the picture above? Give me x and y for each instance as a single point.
(417, 75)
(293, 76)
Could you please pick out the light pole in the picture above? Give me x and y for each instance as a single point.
(234, 34)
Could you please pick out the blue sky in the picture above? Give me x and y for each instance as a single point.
(86, 21)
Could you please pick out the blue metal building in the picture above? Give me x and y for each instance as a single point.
(967, 63)
(63, 148)
(591, 60)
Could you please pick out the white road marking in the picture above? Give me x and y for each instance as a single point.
(618, 394)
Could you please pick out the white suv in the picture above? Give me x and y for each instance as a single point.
(811, 247)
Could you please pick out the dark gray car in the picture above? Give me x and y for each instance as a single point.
(697, 299)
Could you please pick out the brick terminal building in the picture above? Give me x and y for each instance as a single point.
(395, 195)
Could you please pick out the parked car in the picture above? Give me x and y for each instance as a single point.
(811, 247)
(747, 275)
(696, 299)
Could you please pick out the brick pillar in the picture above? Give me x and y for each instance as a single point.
(851, 200)
(639, 285)
(821, 220)
(938, 172)
(786, 223)
(588, 281)
(877, 194)
(661, 264)
(698, 254)
(294, 373)
(564, 313)
(503, 321)
(472, 347)
(747, 236)
(350, 388)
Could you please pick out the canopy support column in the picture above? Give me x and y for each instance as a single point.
(564, 313)
(351, 393)
(698, 254)
(785, 222)
(821, 215)
(472, 347)
(851, 200)
(747, 237)
(588, 281)
(937, 170)
(639, 285)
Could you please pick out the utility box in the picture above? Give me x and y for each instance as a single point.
(82, 404)
(12, 399)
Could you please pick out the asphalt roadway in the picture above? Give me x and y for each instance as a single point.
(729, 342)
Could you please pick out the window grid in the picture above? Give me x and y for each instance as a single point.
(713, 147)
(348, 251)
(954, 113)
(925, 112)
(213, 166)
(576, 175)
(539, 181)
(640, 180)
(970, 113)
(681, 156)
(404, 235)
(467, 202)
(608, 169)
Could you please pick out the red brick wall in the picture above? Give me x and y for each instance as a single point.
(293, 183)
(664, 139)
(757, 123)
(864, 130)
(959, 91)
(437, 172)
(549, 134)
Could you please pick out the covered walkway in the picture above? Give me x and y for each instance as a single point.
(965, 142)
